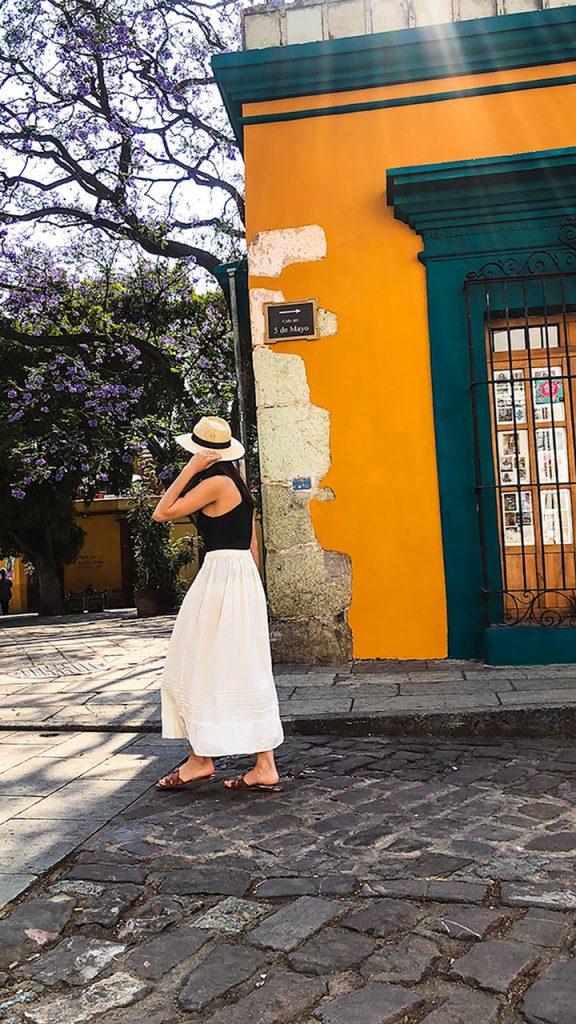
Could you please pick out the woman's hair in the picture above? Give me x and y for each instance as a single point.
(221, 469)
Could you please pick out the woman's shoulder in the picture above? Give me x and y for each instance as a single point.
(224, 488)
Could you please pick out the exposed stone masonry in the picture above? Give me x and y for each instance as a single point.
(309, 589)
(309, 21)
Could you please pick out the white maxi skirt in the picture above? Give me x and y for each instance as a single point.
(218, 689)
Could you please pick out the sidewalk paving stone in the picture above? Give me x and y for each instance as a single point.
(76, 961)
(548, 895)
(117, 991)
(32, 925)
(219, 880)
(494, 964)
(383, 918)
(283, 996)
(405, 962)
(465, 1008)
(288, 927)
(375, 1004)
(159, 955)
(332, 949)
(467, 923)
(551, 999)
(224, 969)
(546, 928)
(232, 915)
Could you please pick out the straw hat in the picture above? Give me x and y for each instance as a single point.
(211, 434)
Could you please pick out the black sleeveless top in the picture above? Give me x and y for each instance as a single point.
(232, 530)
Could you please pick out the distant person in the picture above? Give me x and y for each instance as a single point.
(217, 688)
(5, 591)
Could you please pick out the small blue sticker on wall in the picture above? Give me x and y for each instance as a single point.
(302, 483)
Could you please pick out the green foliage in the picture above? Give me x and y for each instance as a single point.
(159, 560)
(100, 372)
(47, 532)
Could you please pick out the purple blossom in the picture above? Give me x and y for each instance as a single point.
(18, 493)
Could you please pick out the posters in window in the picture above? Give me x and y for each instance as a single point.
(548, 391)
(552, 454)
(518, 519)
(513, 457)
(557, 528)
(510, 398)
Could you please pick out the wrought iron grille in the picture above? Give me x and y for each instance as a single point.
(522, 339)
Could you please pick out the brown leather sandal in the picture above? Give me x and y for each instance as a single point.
(240, 783)
(173, 781)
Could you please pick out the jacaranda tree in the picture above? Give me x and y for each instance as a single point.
(111, 134)
(111, 122)
(95, 372)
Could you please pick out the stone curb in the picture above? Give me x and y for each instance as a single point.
(540, 722)
(537, 722)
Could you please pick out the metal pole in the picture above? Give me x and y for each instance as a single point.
(238, 365)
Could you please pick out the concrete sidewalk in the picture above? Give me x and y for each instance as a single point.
(58, 788)
(103, 674)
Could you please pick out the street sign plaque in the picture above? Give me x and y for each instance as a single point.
(290, 321)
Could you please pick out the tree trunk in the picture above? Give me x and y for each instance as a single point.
(49, 589)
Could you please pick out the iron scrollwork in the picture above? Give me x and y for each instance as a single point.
(542, 261)
(525, 608)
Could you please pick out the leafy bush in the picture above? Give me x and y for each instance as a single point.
(159, 560)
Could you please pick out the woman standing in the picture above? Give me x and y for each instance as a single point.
(218, 690)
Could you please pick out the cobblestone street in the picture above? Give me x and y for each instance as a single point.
(416, 880)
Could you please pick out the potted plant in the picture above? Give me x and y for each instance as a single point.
(158, 560)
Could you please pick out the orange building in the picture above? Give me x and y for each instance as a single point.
(411, 172)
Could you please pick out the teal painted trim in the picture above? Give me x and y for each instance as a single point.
(530, 646)
(482, 193)
(481, 45)
(221, 274)
(408, 101)
(454, 432)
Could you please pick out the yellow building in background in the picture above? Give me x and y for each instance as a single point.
(411, 184)
(105, 562)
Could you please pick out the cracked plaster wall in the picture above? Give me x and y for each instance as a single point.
(309, 589)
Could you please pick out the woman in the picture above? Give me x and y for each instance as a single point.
(217, 687)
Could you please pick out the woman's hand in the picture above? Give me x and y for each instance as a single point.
(202, 461)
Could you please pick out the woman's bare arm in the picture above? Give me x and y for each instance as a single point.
(171, 506)
(254, 544)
